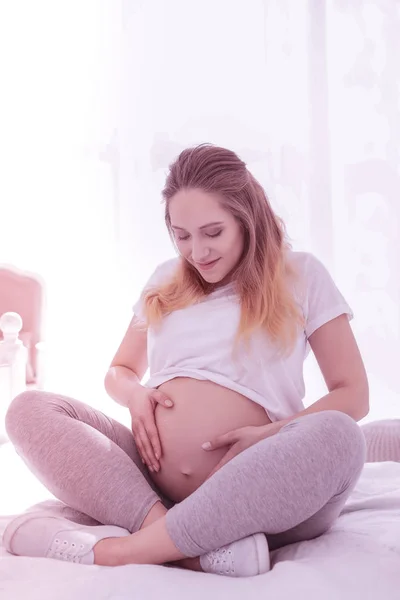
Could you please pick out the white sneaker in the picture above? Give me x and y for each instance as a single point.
(43, 535)
(245, 558)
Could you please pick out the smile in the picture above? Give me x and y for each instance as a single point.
(207, 266)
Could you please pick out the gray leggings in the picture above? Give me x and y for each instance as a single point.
(291, 486)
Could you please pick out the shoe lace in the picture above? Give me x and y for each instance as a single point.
(221, 560)
(65, 550)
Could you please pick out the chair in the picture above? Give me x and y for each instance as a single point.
(23, 293)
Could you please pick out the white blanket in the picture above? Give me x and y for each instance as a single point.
(359, 558)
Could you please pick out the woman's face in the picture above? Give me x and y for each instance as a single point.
(206, 234)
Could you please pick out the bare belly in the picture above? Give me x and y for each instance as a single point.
(201, 411)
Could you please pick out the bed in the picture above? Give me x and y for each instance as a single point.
(358, 558)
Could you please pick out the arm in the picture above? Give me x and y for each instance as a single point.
(339, 359)
(130, 362)
(128, 365)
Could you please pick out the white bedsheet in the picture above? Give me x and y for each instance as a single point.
(359, 558)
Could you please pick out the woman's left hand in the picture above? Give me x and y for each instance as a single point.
(239, 440)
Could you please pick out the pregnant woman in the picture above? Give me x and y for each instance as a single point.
(224, 329)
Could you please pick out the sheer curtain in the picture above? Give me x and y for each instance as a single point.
(308, 94)
(100, 96)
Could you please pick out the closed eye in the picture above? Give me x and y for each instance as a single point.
(210, 235)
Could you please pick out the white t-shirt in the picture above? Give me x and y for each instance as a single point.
(197, 341)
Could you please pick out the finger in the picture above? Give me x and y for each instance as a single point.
(148, 447)
(145, 448)
(154, 440)
(142, 452)
(162, 398)
(140, 435)
(152, 437)
(220, 441)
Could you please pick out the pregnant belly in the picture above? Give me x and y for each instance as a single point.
(201, 411)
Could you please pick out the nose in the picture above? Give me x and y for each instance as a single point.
(200, 252)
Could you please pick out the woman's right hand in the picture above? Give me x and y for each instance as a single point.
(142, 408)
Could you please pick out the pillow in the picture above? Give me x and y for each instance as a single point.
(383, 440)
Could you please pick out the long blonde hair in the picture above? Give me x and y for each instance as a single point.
(262, 276)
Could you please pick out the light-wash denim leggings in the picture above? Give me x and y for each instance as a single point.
(291, 486)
